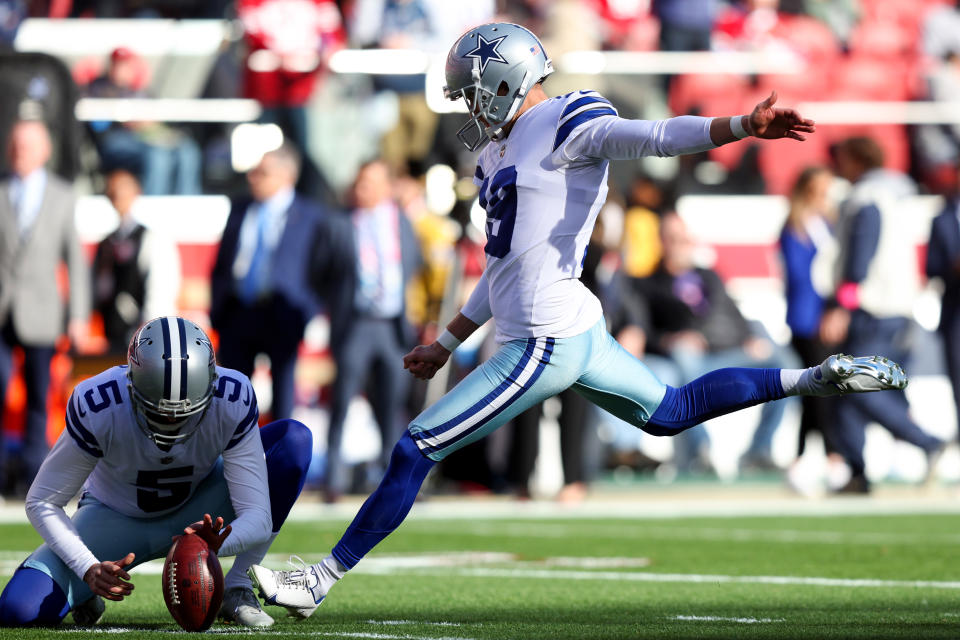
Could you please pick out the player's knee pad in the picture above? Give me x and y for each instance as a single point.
(32, 598)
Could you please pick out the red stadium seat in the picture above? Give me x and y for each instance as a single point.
(693, 91)
(867, 78)
(887, 40)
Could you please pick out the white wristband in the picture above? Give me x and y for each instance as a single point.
(736, 127)
(448, 341)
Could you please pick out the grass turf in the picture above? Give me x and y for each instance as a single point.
(465, 594)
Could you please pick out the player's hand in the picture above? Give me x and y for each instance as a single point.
(109, 580)
(212, 531)
(772, 123)
(424, 361)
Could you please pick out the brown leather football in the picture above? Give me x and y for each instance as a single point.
(192, 583)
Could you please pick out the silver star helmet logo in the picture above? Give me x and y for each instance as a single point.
(486, 51)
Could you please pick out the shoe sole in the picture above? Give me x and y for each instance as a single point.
(866, 374)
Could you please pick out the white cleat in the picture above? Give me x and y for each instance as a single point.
(840, 374)
(300, 591)
(241, 606)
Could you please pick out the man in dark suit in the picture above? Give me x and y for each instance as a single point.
(369, 333)
(37, 236)
(260, 298)
(943, 261)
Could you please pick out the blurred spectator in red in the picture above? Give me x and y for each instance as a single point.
(37, 236)
(289, 43)
(626, 26)
(166, 159)
(136, 270)
(806, 234)
(751, 25)
(943, 261)
(877, 285)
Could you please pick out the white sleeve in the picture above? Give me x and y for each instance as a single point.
(614, 138)
(477, 309)
(61, 476)
(160, 261)
(245, 470)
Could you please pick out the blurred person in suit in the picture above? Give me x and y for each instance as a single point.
(260, 299)
(136, 270)
(37, 235)
(877, 283)
(369, 332)
(943, 261)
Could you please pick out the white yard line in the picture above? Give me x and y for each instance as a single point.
(724, 619)
(636, 530)
(539, 574)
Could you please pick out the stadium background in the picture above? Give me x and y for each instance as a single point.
(856, 67)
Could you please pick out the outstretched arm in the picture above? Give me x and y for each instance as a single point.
(615, 138)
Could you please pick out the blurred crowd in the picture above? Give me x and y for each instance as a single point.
(343, 222)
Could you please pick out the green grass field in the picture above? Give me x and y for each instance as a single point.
(876, 576)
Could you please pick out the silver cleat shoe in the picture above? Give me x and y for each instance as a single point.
(241, 606)
(88, 613)
(840, 374)
(299, 591)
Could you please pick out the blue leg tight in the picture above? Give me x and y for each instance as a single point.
(386, 507)
(32, 598)
(287, 446)
(714, 394)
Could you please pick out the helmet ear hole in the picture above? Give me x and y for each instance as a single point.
(503, 89)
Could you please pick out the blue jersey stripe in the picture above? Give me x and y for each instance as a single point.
(579, 102)
(84, 439)
(544, 360)
(249, 421)
(167, 365)
(183, 358)
(490, 397)
(567, 127)
(478, 174)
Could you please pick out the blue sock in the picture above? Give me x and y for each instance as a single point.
(388, 505)
(288, 447)
(32, 598)
(714, 394)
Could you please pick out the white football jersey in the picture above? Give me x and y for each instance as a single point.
(541, 208)
(136, 477)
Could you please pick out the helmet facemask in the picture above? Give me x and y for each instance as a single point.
(167, 423)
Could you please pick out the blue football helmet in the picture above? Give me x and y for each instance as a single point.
(492, 67)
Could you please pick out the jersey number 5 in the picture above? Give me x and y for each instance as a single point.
(158, 491)
(501, 208)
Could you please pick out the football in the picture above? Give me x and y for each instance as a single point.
(192, 583)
